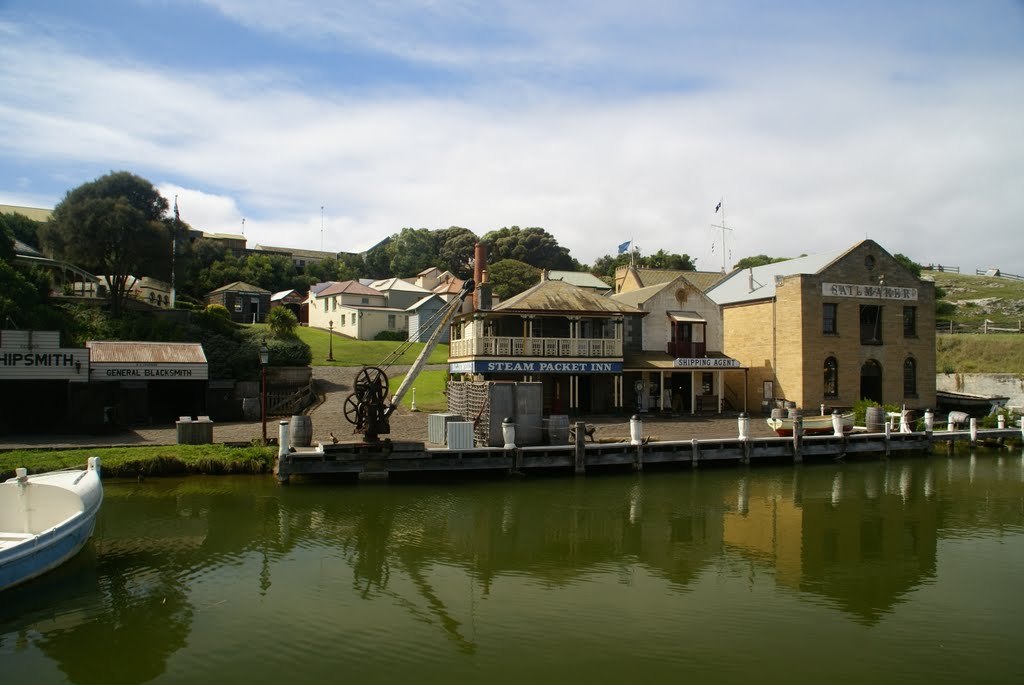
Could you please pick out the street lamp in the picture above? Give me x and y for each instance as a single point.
(330, 341)
(264, 360)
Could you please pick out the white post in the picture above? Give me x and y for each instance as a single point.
(929, 420)
(744, 426)
(636, 430)
(974, 430)
(837, 423)
(413, 407)
(822, 410)
(904, 424)
(949, 422)
(1001, 421)
(508, 432)
(282, 440)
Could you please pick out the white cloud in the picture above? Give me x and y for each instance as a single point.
(811, 155)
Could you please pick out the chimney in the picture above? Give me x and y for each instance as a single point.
(482, 294)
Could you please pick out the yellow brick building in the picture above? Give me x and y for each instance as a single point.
(830, 329)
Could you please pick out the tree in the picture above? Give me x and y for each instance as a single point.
(510, 277)
(758, 260)
(22, 228)
(669, 261)
(455, 249)
(412, 251)
(282, 322)
(534, 246)
(113, 227)
(911, 266)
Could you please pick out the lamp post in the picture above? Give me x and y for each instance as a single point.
(330, 341)
(264, 360)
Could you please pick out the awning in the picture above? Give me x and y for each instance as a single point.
(687, 317)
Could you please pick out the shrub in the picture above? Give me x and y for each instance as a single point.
(282, 322)
(397, 336)
(218, 310)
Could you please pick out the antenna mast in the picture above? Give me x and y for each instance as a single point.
(721, 207)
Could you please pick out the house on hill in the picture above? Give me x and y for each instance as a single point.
(355, 310)
(245, 303)
(830, 329)
(401, 294)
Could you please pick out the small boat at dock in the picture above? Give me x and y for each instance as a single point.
(45, 519)
(812, 425)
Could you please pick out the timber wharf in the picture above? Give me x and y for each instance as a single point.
(380, 460)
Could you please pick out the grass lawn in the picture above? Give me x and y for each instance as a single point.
(429, 389)
(348, 352)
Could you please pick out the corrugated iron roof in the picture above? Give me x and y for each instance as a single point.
(758, 283)
(582, 279)
(350, 287)
(108, 351)
(563, 298)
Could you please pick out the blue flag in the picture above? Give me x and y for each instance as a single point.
(624, 246)
(718, 207)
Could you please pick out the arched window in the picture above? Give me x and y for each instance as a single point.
(910, 377)
(831, 378)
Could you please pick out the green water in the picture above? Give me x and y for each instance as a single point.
(907, 571)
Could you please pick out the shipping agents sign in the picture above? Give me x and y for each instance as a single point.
(706, 363)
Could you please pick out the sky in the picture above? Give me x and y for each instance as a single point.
(331, 125)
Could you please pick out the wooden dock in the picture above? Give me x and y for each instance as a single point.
(378, 461)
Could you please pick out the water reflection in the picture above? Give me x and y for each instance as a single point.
(172, 557)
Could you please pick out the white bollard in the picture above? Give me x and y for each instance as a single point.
(823, 410)
(929, 420)
(904, 424)
(949, 424)
(743, 423)
(636, 430)
(508, 432)
(837, 423)
(1001, 421)
(412, 407)
(282, 439)
(974, 430)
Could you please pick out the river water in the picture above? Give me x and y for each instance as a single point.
(907, 571)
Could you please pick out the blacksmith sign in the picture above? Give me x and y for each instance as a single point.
(146, 361)
(37, 355)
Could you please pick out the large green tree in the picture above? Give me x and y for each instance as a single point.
(455, 249)
(22, 228)
(534, 246)
(510, 277)
(113, 227)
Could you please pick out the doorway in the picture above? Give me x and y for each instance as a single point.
(871, 381)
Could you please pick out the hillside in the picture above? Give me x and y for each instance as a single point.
(968, 301)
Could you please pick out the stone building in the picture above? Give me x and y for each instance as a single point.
(830, 329)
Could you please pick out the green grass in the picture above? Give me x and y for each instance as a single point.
(1006, 312)
(430, 387)
(159, 460)
(348, 352)
(977, 353)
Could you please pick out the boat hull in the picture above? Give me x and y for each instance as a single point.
(45, 520)
(812, 425)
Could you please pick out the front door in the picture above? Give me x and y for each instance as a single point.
(871, 381)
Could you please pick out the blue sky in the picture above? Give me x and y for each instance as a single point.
(818, 123)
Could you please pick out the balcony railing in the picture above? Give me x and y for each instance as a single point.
(535, 347)
(686, 350)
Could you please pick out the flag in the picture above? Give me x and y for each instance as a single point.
(718, 207)
(624, 246)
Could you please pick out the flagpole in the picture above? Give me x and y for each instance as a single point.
(721, 207)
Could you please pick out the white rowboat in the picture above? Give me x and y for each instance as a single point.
(45, 519)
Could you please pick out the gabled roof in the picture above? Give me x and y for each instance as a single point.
(758, 283)
(422, 301)
(25, 249)
(563, 298)
(348, 288)
(452, 285)
(239, 287)
(283, 294)
(637, 298)
(386, 284)
(581, 279)
(699, 279)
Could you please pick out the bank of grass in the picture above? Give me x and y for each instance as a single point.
(430, 387)
(348, 352)
(156, 460)
(977, 353)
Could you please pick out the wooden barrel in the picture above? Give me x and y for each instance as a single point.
(300, 431)
(795, 412)
(558, 429)
(874, 419)
(778, 413)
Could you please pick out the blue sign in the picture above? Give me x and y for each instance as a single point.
(521, 366)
